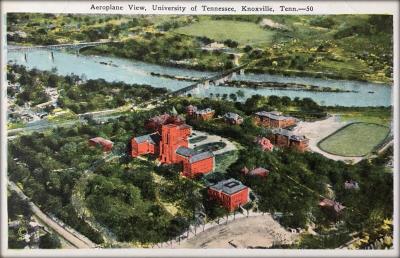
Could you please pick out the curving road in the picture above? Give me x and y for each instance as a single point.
(74, 238)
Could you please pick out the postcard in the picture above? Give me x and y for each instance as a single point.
(189, 128)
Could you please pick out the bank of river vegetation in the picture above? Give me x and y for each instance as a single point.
(351, 47)
(283, 86)
(75, 94)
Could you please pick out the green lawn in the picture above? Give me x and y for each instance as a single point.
(357, 139)
(375, 116)
(220, 30)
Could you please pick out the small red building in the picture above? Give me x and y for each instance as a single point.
(146, 144)
(285, 138)
(262, 172)
(233, 118)
(274, 119)
(264, 143)
(334, 207)
(230, 193)
(205, 114)
(191, 110)
(195, 163)
(100, 141)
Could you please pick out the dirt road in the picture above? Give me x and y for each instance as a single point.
(246, 232)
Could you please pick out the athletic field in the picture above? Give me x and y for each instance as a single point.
(356, 139)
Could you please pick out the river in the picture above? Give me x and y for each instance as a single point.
(129, 71)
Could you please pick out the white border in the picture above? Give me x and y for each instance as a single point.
(320, 7)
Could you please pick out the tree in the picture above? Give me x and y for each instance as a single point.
(233, 97)
(240, 94)
(49, 241)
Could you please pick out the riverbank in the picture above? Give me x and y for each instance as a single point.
(313, 74)
(137, 72)
(283, 86)
(176, 77)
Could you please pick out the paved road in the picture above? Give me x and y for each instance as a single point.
(76, 240)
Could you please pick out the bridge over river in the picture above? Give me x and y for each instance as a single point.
(59, 46)
(214, 80)
(75, 46)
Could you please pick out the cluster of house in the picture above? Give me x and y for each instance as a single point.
(169, 141)
(31, 234)
(280, 136)
(208, 113)
(26, 113)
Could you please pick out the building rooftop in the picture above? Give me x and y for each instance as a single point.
(231, 115)
(200, 156)
(205, 111)
(184, 151)
(337, 207)
(229, 186)
(101, 140)
(160, 118)
(290, 134)
(260, 171)
(153, 138)
(275, 115)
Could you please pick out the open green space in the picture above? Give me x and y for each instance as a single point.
(221, 30)
(357, 139)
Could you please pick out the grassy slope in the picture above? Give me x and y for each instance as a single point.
(220, 30)
(355, 140)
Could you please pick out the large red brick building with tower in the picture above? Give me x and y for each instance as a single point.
(230, 193)
(170, 143)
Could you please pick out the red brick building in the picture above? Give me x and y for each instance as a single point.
(171, 146)
(191, 110)
(230, 193)
(195, 163)
(146, 144)
(100, 141)
(233, 118)
(172, 137)
(203, 114)
(264, 143)
(285, 138)
(273, 119)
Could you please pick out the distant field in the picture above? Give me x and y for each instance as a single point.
(357, 139)
(382, 117)
(220, 30)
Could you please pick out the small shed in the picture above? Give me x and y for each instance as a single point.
(100, 141)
